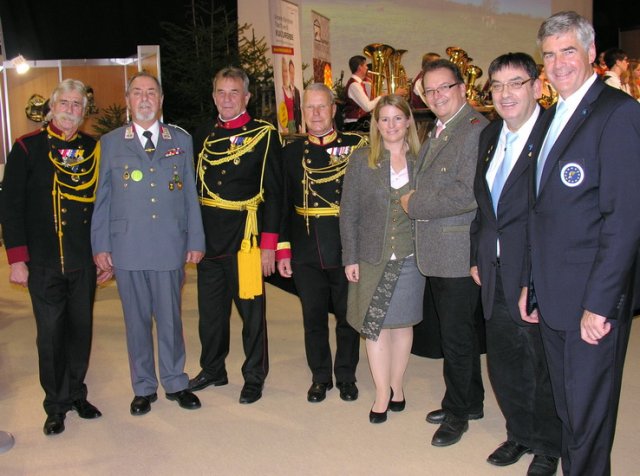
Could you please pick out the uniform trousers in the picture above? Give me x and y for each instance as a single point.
(63, 308)
(146, 295)
(586, 381)
(217, 289)
(520, 378)
(317, 288)
(455, 302)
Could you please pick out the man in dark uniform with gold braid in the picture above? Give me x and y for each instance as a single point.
(310, 248)
(239, 181)
(49, 190)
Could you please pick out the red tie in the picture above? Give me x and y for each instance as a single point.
(439, 129)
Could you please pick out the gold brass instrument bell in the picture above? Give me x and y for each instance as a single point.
(386, 68)
(469, 72)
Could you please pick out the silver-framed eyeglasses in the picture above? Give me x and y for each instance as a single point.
(440, 89)
(511, 85)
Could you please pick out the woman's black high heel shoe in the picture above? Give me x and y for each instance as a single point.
(380, 417)
(396, 406)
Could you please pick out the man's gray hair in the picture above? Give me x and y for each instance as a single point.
(66, 86)
(320, 87)
(233, 73)
(566, 22)
(143, 74)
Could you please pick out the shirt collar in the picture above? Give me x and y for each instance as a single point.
(325, 139)
(238, 121)
(154, 129)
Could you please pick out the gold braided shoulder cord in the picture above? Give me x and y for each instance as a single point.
(60, 190)
(212, 199)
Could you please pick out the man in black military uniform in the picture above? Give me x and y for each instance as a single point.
(310, 249)
(239, 181)
(49, 247)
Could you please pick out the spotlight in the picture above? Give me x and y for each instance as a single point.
(20, 64)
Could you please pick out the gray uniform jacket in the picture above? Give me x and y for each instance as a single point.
(146, 212)
(364, 207)
(443, 203)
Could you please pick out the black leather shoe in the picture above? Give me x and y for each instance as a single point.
(437, 416)
(141, 404)
(85, 409)
(54, 424)
(251, 392)
(542, 465)
(375, 417)
(397, 406)
(450, 431)
(203, 380)
(185, 398)
(348, 391)
(507, 453)
(318, 391)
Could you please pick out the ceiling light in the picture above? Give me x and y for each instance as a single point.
(20, 64)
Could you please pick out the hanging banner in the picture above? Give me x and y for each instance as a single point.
(287, 64)
(321, 50)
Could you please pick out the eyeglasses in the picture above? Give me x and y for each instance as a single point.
(512, 85)
(440, 89)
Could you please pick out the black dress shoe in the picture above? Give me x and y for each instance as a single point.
(542, 465)
(437, 416)
(203, 380)
(251, 392)
(450, 431)
(141, 404)
(380, 417)
(85, 409)
(185, 398)
(318, 391)
(397, 406)
(54, 424)
(507, 453)
(348, 391)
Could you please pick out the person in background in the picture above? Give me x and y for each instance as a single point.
(310, 248)
(417, 91)
(385, 286)
(617, 63)
(146, 225)
(358, 104)
(48, 245)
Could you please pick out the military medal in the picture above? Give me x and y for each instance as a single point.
(125, 175)
(75, 178)
(137, 175)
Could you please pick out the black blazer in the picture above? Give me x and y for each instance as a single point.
(510, 225)
(585, 222)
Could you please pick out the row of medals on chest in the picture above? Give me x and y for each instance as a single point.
(136, 175)
(335, 160)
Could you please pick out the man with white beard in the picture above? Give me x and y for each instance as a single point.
(146, 226)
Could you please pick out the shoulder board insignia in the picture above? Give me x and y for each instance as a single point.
(179, 128)
(474, 121)
(128, 132)
(165, 133)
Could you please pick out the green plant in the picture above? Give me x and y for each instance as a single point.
(112, 117)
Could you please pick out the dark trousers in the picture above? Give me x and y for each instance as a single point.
(217, 289)
(63, 308)
(317, 288)
(586, 381)
(455, 301)
(520, 378)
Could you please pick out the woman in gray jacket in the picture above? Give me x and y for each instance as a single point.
(385, 286)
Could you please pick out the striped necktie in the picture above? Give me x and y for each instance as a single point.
(149, 148)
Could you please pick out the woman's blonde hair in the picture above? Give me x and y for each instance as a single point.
(375, 140)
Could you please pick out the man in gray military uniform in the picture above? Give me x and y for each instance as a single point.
(146, 225)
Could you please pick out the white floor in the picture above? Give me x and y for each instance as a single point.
(281, 434)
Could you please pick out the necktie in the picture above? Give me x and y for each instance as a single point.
(552, 135)
(503, 170)
(149, 148)
(439, 128)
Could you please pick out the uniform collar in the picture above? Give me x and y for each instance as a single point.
(57, 133)
(236, 122)
(326, 139)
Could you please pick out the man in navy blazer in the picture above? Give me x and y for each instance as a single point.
(146, 225)
(584, 234)
(515, 356)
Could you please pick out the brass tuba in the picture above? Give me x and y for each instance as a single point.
(379, 54)
(472, 74)
(398, 74)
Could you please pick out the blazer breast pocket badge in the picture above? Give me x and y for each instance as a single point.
(572, 174)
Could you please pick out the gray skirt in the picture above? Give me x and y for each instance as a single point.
(386, 297)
